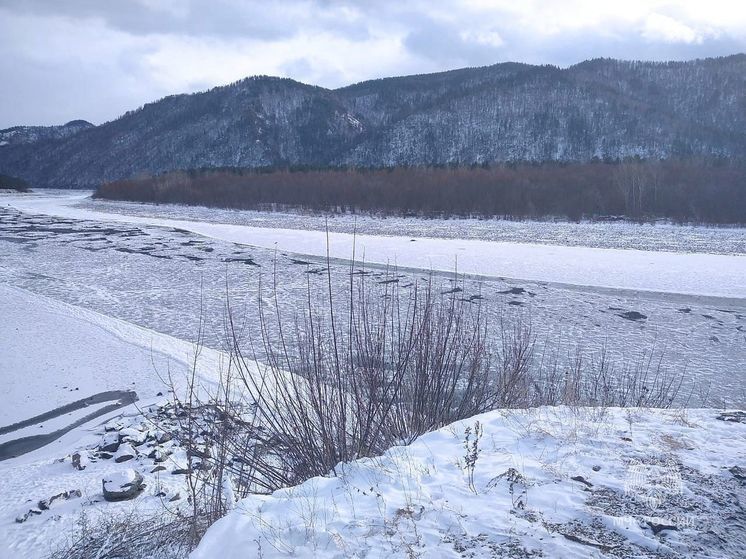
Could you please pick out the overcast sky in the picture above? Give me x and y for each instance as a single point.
(94, 59)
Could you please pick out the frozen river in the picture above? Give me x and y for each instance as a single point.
(152, 266)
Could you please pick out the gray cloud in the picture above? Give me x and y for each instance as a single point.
(94, 60)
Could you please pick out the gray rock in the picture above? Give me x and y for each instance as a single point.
(79, 462)
(125, 453)
(122, 486)
(110, 443)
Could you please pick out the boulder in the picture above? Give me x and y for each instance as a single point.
(110, 442)
(80, 461)
(158, 454)
(133, 436)
(163, 437)
(122, 485)
(125, 452)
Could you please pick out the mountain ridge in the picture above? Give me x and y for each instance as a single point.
(506, 112)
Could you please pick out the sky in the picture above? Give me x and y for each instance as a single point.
(95, 59)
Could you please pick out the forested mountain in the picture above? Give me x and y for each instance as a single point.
(606, 109)
(19, 135)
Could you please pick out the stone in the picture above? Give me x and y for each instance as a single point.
(158, 455)
(581, 479)
(125, 453)
(122, 485)
(110, 442)
(80, 461)
(133, 436)
(733, 416)
(65, 495)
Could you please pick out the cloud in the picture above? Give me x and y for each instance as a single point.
(667, 29)
(92, 59)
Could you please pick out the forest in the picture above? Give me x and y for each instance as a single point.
(679, 190)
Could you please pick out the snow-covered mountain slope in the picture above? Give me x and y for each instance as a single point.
(22, 135)
(549, 482)
(505, 112)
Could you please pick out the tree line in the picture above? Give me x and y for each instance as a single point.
(699, 191)
(13, 183)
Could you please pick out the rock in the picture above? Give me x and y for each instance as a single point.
(633, 315)
(581, 479)
(739, 473)
(110, 443)
(179, 471)
(133, 436)
(123, 485)
(596, 468)
(658, 528)
(65, 495)
(174, 498)
(25, 517)
(733, 416)
(157, 469)
(79, 461)
(125, 453)
(104, 455)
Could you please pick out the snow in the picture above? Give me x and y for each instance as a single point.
(116, 481)
(55, 353)
(416, 500)
(156, 277)
(49, 348)
(671, 272)
(654, 236)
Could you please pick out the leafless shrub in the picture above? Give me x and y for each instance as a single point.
(130, 535)
(402, 365)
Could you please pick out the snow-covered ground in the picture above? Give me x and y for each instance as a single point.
(93, 302)
(55, 354)
(550, 482)
(673, 272)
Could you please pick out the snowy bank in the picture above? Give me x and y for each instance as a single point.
(550, 482)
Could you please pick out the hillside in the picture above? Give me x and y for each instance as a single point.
(605, 109)
(23, 135)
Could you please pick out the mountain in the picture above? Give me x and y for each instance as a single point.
(506, 112)
(20, 135)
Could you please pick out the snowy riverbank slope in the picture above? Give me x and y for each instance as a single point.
(51, 355)
(550, 482)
